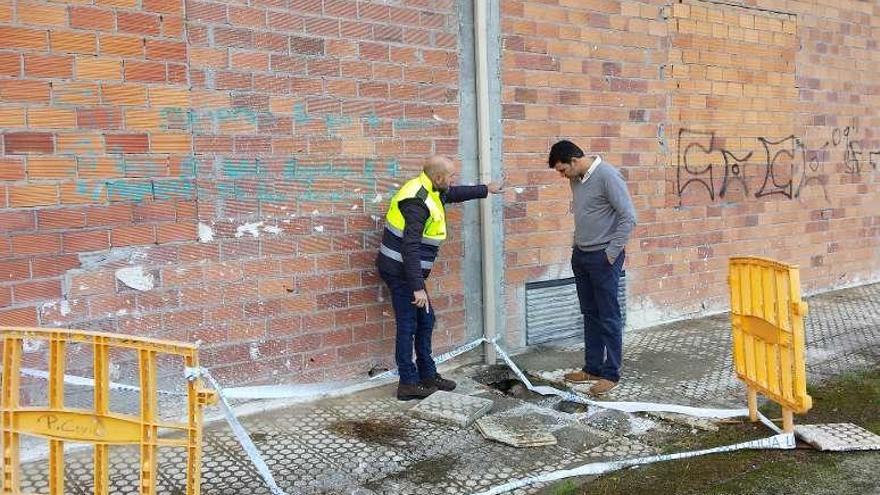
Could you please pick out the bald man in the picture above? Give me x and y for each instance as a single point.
(415, 226)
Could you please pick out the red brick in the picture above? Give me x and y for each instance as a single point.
(247, 16)
(233, 80)
(21, 317)
(29, 142)
(12, 90)
(99, 216)
(121, 46)
(166, 50)
(206, 11)
(99, 118)
(36, 244)
(212, 144)
(149, 72)
(137, 23)
(286, 22)
(11, 270)
(126, 143)
(16, 221)
(131, 236)
(53, 66)
(91, 18)
(5, 297)
(91, 240)
(40, 13)
(53, 266)
(231, 37)
(23, 38)
(163, 6)
(60, 219)
(12, 169)
(340, 8)
(10, 64)
(42, 290)
(92, 282)
(175, 232)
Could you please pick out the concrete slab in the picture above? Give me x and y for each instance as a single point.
(515, 430)
(838, 437)
(452, 408)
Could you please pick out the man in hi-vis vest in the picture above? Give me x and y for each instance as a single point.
(415, 226)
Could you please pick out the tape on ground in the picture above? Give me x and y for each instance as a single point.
(629, 407)
(240, 433)
(783, 441)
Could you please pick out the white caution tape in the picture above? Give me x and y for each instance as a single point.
(82, 381)
(240, 433)
(629, 407)
(783, 441)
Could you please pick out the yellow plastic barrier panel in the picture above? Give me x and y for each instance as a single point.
(100, 426)
(767, 314)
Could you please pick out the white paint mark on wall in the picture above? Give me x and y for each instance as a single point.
(249, 228)
(65, 307)
(31, 345)
(206, 233)
(135, 277)
(518, 190)
(377, 198)
(272, 229)
(254, 351)
(319, 228)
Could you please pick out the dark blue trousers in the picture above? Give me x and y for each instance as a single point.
(597, 281)
(414, 328)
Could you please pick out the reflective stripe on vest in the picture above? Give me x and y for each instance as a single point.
(387, 251)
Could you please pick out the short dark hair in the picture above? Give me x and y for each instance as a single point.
(564, 151)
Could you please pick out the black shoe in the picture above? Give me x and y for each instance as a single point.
(410, 391)
(440, 383)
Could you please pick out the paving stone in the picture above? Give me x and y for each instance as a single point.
(452, 408)
(516, 430)
(838, 437)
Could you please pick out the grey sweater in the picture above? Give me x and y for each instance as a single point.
(604, 215)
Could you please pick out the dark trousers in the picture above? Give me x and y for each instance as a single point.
(597, 281)
(414, 327)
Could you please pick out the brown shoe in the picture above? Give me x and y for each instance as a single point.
(602, 387)
(440, 383)
(410, 391)
(581, 377)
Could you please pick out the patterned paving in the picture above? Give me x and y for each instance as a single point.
(369, 443)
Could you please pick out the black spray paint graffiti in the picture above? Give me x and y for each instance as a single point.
(788, 166)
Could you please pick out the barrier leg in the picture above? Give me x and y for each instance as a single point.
(787, 420)
(753, 404)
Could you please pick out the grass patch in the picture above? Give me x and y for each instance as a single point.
(853, 398)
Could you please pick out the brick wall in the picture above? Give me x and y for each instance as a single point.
(217, 171)
(233, 159)
(747, 129)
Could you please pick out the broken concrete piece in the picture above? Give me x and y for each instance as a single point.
(134, 277)
(685, 420)
(838, 437)
(451, 408)
(516, 430)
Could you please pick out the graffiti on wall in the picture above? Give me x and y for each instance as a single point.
(260, 177)
(773, 167)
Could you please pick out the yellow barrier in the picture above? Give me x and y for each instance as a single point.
(767, 314)
(100, 426)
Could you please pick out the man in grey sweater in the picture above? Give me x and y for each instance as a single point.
(604, 219)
